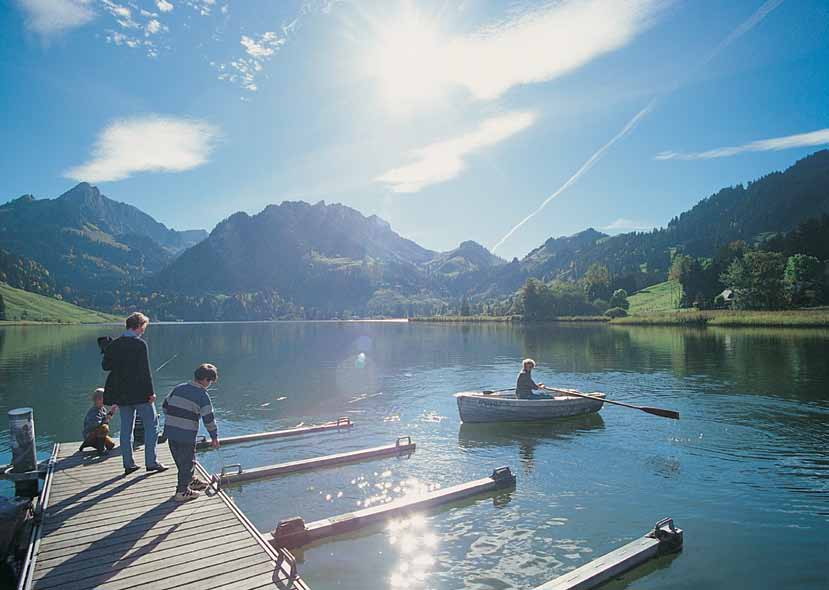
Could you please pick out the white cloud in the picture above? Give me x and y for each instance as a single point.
(244, 70)
(153, 27)
(442, 161)
(47, 17)
(414, 60)
(625, 225)
(147, 144)
(811, 139)
(265, 46)
(546, 43)
(163, 5)
(122, 14)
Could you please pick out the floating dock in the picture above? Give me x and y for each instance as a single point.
(101, 529)
(203, 443)
(295, 532)
(232, 474)
(663, 539)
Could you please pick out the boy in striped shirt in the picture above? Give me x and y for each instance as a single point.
(182, 408)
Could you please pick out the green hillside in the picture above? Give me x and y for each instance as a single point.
(656, 298)
(24, 306)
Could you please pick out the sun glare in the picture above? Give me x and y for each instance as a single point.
(406, 60)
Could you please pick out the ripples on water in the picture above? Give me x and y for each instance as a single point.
(745, 472)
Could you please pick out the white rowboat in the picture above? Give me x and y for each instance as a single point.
(476, 406)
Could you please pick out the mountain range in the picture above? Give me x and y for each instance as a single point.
(88, 242)
(326, 260)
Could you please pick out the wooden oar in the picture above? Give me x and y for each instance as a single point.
(490, 392)
(655, 411)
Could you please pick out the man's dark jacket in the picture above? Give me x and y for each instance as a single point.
(130, 380)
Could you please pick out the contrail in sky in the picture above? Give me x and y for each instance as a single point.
(741, 30)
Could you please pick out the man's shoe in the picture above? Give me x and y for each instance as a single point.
(133, 469)
(159, 467)
(186, 496)
(198, 485)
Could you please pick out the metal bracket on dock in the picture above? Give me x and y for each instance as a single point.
(286, 556)
(407, 438)
(290, 532)
(669, 537)
(7, 474)
(503, 477)
(227, 469)
(343, 421)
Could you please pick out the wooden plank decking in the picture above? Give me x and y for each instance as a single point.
(102, 529)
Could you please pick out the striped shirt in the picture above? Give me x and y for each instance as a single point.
(182, 409)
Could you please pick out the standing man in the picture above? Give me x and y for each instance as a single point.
(130, 385)
(182, 409)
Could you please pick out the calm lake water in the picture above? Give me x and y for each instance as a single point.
(745, 472)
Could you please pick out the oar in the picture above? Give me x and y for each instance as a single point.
(490, 391)
(654, 411)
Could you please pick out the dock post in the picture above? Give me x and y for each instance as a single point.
(24, 456)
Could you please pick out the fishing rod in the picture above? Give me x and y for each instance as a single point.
(164, 364)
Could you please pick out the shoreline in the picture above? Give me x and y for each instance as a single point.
(794, 318)
(790, 318)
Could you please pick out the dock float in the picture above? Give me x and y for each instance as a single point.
(232, 474)
(294, 532)
(97, 528)
(203, 443)
(663, 539)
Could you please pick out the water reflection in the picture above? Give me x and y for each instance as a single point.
(750, 449)
(416, 545)
(526, 436)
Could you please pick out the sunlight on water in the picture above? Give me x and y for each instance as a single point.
(416, 545)
(744, 471)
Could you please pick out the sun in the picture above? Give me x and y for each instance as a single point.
(406, 60)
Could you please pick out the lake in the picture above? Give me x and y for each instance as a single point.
(745, 472)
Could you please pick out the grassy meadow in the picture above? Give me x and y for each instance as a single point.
(23, 306)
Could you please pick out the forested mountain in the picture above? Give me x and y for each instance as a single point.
(326, 260)
(23, 273)
(88, 242)
(320, 256)
(773, 204)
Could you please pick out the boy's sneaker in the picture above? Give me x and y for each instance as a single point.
(158, 467)
(198, 485)
(186, 496)
(133, 469)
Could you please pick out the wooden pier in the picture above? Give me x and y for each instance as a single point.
(232, 474)
(102, 529)
(344, 422)
(665, 538)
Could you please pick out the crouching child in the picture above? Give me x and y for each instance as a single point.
(183, 408)
(96, 424)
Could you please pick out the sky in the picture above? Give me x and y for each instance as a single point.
(503, 122)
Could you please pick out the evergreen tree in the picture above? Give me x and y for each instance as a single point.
(802, 280)
(619, 299)
(597, 281)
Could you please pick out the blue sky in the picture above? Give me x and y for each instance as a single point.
(451, 119)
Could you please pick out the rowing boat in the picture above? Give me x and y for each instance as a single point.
(477, 406)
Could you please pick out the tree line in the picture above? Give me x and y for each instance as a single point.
(785, 271)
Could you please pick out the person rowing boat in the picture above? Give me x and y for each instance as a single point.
(525, 386)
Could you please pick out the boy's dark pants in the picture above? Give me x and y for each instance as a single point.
(99, 439)
(184, 455)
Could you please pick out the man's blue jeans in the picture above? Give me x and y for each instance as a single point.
(150, 419)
